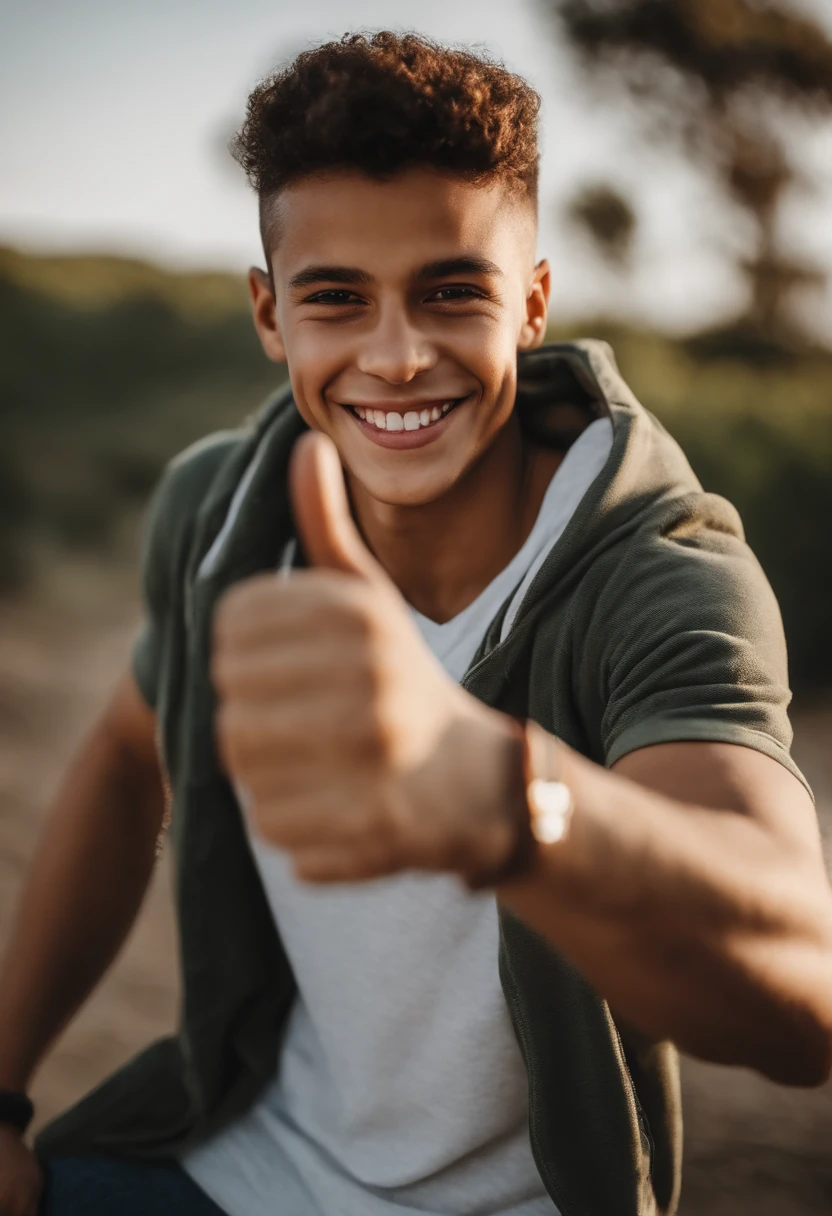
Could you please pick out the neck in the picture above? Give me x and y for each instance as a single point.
(443, 554)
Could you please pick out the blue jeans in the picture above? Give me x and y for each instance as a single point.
(109, 1186)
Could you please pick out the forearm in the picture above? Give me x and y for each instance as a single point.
(696, 924)
(82, 895)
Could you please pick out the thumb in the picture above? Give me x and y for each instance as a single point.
(321, 510)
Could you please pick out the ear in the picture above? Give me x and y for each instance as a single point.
(533, 329)
(264, 312)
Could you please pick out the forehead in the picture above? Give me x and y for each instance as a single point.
(389, 227)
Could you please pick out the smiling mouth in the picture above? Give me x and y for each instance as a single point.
(410, 420)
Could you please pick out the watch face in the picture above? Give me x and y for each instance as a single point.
(550, 803)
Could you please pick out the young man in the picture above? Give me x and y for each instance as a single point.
(486, 1026)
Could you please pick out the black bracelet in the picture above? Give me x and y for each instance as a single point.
(541, 808)
(16, 1108)
(521, 852)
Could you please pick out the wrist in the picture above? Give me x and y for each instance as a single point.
(496, 787)
(535, 802)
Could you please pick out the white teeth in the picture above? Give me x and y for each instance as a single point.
(412, 420)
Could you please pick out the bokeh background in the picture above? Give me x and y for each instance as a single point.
(686, 207)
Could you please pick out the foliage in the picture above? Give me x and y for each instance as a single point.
(106, 369)
(716, 77)
(96, 281)
(97, 396)
(607, 218)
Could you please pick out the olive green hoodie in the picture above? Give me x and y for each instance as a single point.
(649, 621)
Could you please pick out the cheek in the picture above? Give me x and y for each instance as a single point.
(314, 360)
(486, 354)
(488, 348)
(502, 403)
(494, 363)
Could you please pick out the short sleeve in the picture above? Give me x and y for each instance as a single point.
(693, 648)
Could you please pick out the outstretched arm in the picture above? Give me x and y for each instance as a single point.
(690, 888)
(691, 891)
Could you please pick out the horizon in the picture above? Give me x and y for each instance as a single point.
(147, 175)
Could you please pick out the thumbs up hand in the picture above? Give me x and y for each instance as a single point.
(360, 756)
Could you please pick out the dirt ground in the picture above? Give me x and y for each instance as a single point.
(752, 1149)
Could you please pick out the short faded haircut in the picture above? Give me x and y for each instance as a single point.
(385, 103)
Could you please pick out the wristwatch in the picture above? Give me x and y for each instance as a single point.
(549, 800)
(542, 810)
(16, 1109)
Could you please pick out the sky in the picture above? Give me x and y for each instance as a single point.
(118, 115)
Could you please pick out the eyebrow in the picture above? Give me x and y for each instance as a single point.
(461, 265)
(432, 270)
(329, 274)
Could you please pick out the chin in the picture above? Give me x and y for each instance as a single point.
(406, 489)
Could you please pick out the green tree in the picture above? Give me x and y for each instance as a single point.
(717, 78)
(607, 218)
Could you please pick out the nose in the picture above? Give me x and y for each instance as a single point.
(395, 350)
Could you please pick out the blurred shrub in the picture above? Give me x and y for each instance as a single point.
(106, 369)
(102, 380)
(15, 508)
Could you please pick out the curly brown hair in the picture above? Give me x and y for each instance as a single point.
(384, 103)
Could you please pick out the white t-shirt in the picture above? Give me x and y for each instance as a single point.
(401, 1090)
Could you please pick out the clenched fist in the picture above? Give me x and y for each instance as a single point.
(357, 752)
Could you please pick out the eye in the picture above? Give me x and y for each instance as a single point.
(455, 291)
(333, 296)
